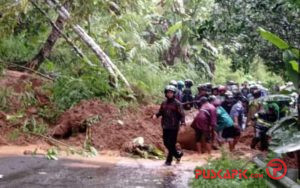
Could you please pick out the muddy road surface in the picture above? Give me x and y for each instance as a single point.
(26, 171)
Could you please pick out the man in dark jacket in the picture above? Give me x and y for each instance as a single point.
(172, 117)
(187, 95)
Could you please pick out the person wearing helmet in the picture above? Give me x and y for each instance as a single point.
(228, 102)
(172, 117)
(252, 89)
(222, 90)
(263, 121)
(173, 83)
(204, 125)
(225, 129)
(208, 87)
(180, 85)
(237, 112)
(202, 92)
(230, 85)
(254, 107)
(187, 95)
(188, 83)
(245, 90)
(215, 91)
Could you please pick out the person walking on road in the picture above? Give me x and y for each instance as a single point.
(173, 117)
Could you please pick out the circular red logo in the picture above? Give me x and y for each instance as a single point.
(277, 165)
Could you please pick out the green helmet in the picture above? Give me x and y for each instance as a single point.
(180, 83)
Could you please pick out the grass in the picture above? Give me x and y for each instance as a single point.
(229, 162)
(14, 135)
(4, 99)
(33, 126)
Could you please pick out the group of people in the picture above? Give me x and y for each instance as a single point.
(223, 113)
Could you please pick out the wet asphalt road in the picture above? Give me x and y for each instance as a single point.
(37, 172)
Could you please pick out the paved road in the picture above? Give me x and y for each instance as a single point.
(36, 172)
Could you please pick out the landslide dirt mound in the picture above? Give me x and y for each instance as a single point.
(18, 84)
(18, 80)
(115, 127)
(18, 88)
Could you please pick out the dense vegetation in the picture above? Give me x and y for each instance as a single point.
(151, 42)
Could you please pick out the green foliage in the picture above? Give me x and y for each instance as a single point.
(174, 28)
(27, 99)
(14, 48)
(32, 126)
(274, 39)
(230, 163)
(290, 55)
(2, 67)
(52, 154)
(4, 99)
(14, 135)
(257, 72)
(49, 113)
(284, 132)
(68, 91)
(136, 36)
(233, 23)
(15, 118)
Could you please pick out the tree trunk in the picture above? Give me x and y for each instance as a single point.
(89, 41)
(48, 46)
(173, 52)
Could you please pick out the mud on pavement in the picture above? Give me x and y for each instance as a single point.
(102, 171)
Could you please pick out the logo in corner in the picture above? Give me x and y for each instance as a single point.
(277, 165)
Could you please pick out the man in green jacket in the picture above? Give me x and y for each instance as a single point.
(225, 128)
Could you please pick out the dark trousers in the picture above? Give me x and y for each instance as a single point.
(263, 139)
(170, 139)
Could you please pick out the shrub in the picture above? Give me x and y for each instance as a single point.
(229, 162)
(68, 90)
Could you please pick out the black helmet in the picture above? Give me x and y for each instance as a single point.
(243, 99)
(215, 88)
(170, 88)
(257, 93)
(212, 98)
(203, 100)
(201, 87)
(188, 83)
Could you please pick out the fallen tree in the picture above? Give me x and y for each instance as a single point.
(90, 42)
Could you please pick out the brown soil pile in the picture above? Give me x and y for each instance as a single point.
(17, 85)
(18, 80)
(115, 127)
